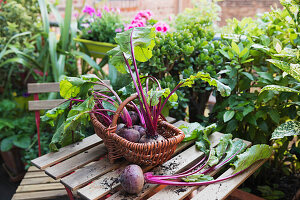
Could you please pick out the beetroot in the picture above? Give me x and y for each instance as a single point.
(129, 134)
(132, 179)
(140, 129)
(134, 117)
(121, 125)
(145, 138)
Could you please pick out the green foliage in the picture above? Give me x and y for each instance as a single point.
(142, 41)
(198, 178)
(102, 29)
(251, 155)
(16, 17)
(16, 127)
(186, 51)
(289, 128)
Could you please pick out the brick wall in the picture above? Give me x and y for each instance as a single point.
(245, 8)
(162, 9)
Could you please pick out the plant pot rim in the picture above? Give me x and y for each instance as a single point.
(92, 42)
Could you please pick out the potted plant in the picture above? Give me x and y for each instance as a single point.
(140, 135)
(98, 28)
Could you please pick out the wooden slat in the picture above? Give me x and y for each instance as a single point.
(52, 87)
(33, 169)
(87, 174)
(44, 104)
(35, 174)
(221, 190)
(106, 183)
(61, 169)
(38, 180)
(176, 192)
(40, 187)
(42, 87)
(170, 167)
(66, 152)
(171, 119)
(91, 172)
(39, 195)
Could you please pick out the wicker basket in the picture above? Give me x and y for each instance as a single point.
(152, 153)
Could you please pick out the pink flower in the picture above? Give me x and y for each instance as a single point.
(112, 9)
(89, 10)
(170, 18)
(128, 26)
(118, 30)
(161, 27)
(106, 8)
(99, 14)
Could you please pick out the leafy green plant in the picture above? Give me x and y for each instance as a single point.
(187, 50)
(16, 128)
(101, 25)
(16, 17)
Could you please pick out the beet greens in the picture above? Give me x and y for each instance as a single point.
(134, 45)
(227, 151)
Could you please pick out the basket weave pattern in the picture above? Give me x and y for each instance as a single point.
(152, 153)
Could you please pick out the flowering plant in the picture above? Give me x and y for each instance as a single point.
(144, 18)
(100, 25)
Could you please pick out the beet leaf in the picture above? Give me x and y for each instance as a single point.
(251, 155)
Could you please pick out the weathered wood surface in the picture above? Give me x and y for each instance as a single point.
(66, 152)
(44, 104)
(93, 179)
(39, 195)
(176, 192)
(52, 87)
(65, 167)
(221, 190)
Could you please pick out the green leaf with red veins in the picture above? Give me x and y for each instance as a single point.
(71, 87)
(143, 43)
(251, 155)
(223, 144)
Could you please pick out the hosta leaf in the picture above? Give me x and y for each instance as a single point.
(251, 155)
(198, 178)
(288, 128)
(278, 88)
(223, 89)
(291, 69)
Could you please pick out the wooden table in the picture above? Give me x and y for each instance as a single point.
(83, 169)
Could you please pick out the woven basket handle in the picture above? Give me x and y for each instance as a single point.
(119, 110)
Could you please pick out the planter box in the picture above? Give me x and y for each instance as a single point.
(96, 49)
